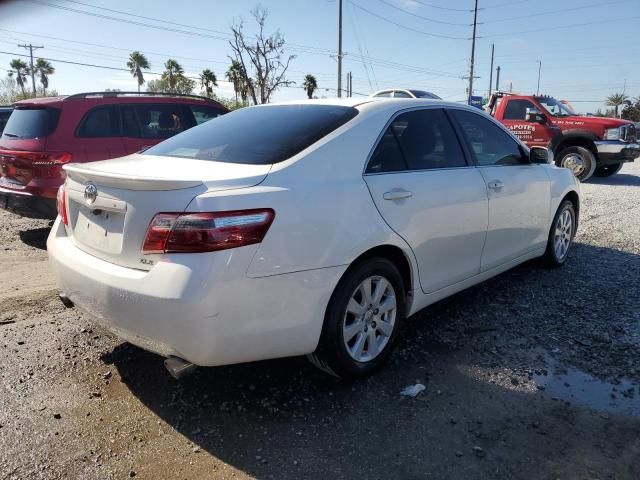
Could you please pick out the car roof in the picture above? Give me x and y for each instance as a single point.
(117, 97)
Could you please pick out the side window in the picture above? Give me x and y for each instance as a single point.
(130, 125)
(382, 94)
(517, 109)
(203, 113)
(162, 121)
(488, 142)
(417, 140)
(399, 94)
(100, 122)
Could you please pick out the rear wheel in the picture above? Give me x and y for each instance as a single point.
(607, 170)
(579, 160)
(561, 235)
(362, 320)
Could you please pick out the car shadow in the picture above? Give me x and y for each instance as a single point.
(36, 238)
(623, 179)
(284, 419)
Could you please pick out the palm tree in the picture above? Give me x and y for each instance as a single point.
(208, 80)
(234, 75)
(310, 84)
(137, 61)
(43, 69)
(21, 70)
(172, 70)
(616, 100)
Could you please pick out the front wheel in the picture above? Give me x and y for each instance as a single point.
(607, 170)
(563, 229)
(362, 320)
(579, 160)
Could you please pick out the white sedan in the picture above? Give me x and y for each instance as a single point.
(311, 228)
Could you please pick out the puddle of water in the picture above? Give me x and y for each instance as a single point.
(580, 388)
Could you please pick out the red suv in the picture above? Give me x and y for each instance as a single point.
(43, 134)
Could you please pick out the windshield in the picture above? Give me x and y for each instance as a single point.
(554, 107)
(257, 135)
(31, 123)
(423, 94)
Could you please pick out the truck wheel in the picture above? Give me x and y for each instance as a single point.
(579, 160)
(607, 170)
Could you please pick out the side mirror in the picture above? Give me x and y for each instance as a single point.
(533, 115)
(540, 155)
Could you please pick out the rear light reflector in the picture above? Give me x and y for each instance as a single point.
(61, 204)
(206, 232)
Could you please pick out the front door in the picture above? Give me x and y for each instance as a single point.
(519, 191)
(429, 195)
(514, 118)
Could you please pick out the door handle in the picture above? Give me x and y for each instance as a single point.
(495, 185)
(396, 194)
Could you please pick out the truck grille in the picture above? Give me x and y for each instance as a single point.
(628, 133)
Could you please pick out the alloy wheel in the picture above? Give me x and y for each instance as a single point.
(563, 234)
(369, 319)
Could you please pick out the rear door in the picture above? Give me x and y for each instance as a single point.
(519, 191)
(428, 194)
(98, 136)
(146, 124)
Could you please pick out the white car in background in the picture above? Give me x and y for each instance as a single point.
(404, 93)
(313, 228)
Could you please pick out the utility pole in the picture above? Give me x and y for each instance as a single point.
(539, 68)
(473, 48)
(339, 48)
(491, 70)
(498, 78)
(33, 77)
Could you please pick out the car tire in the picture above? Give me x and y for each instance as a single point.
(581, 161)
(607, 170)
(561, 234)
(372, 331)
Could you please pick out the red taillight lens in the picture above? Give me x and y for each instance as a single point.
(61, 204)
(206, 232)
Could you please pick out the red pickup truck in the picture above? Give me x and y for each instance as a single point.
(586, 145)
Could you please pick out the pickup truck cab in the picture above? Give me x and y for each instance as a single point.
(586, 145)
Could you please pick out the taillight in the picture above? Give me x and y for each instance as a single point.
(206, 232)
(61, 204)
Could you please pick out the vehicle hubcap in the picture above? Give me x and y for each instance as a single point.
(370, 318)
(575, 163)
(562, 237)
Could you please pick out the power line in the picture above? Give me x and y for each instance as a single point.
(433, 20)
(411, 29)
(573, 25)
(431, 5)
(548, 12)
(106, 67)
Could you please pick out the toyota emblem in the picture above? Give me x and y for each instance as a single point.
(90, 193)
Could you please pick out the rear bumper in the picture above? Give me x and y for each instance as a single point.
(613, 151)
(200, 307)
(27, 205)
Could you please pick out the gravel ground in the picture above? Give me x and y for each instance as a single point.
(533, 374)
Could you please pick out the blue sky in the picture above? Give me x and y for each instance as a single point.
(588, 48)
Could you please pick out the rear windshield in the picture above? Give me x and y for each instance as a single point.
(257, 135)
(423, 94)
(31, 123)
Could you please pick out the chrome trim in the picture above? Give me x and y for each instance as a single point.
(616, 146)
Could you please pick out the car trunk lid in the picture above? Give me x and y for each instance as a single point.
(111, 203)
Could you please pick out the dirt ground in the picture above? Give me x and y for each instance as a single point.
(533, 375)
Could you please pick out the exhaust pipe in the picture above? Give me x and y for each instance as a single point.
(179, 368)
(66, 301)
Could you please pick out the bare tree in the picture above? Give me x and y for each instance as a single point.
(262, 59)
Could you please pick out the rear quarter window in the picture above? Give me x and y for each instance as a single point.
(257, 135)
(30, 123)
